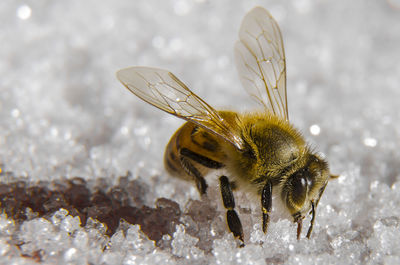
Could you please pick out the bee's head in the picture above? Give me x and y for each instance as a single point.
(304, 187)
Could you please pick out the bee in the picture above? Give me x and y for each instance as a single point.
(261, 150)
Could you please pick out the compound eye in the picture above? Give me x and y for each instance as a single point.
(299, 191)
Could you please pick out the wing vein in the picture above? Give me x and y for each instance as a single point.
(260, 60)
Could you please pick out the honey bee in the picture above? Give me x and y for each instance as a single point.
(261, 150)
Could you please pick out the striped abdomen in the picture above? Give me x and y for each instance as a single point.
(194, 144)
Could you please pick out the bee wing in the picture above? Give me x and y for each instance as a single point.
(260, 60)
(165, 91)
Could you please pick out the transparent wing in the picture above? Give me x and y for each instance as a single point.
(165, 91)
(260, 60)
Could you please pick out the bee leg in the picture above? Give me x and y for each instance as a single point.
(186, 155)
(202, 160)
(298, 218)
(312, 220)
(266, 204)
(232, 217)
(191, 170)
(299, 228)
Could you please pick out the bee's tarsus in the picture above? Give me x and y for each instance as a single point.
(265, 222)
(312, 220)
(232, 217)
(266, 204)
(234, 224)
(299, 227)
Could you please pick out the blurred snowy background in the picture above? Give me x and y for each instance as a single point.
(64, 115)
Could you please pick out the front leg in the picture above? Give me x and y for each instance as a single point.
(266, 204)
(234, 224)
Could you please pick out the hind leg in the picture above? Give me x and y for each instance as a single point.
(192, 171)
(186, 156)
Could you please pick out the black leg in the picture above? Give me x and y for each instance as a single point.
(312, 220)
(202, 160)
(191, 170)
(232, 217)
(266, 204)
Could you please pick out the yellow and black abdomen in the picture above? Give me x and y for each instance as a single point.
(195, 145)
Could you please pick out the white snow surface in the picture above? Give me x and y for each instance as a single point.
(63, 114)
